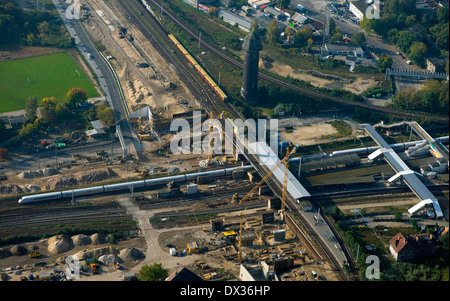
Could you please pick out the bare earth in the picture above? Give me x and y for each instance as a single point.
(307, 135)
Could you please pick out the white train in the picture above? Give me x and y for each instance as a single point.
(127, 185)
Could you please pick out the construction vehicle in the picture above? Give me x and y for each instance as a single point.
(286, 158)
(235, 198)
(94, 267)
(34, 254)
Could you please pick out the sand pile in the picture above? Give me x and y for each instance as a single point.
(4, 253)
(18, 251)
(11, 189)
(32, 188)
(85, 177)
(61, 182)
(97, 239)
(110, 259)
(81, 240)
(59, 244)
(95, 253)
(38, 173)
(95, 176)
(131, 254)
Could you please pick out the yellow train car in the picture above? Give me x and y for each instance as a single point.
(221, 94)
(199, 69)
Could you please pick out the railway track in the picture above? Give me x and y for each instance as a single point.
(157, 35)
(304, 91)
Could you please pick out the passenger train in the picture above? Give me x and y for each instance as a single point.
(58, 195)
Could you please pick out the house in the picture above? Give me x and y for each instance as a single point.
(435, 64)
(256, 4)
(344, 50)
(407, 248)
(299, 18)
(183, 274)
(358, 8)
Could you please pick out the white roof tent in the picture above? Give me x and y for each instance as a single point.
(402, 170)
(270, 159)
(144, 112)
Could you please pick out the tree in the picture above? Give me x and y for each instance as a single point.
(61, 111)
(302, 36)
(273, 33)
(254, 27)
(30, 108)
(417, 53)
(384, 62)
(283, 3)
(75, 97)
(154, 272)
(358, 39)
(105, 114)
(47, 108)
(442, 14)
(405, 39)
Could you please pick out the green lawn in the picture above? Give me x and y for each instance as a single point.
(41, 76)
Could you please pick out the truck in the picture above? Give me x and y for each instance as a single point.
(300, 8)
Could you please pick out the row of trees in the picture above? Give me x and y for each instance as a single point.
(413, 31)
(32, 27)
(432, 98)
(52, 110)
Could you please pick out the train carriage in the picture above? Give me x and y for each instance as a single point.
(40, 197)
(124, 186)
(82, 191)
(161, 181)
(219, 92)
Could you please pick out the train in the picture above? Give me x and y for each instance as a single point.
(59, 195)
(199, 68)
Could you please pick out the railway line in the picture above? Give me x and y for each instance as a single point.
(304, 91)
(157, 35)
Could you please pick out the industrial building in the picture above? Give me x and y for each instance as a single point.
(234, 19)
(359, 7)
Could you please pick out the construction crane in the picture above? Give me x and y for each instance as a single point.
(283, 195)
(240, 258)
(288, 155)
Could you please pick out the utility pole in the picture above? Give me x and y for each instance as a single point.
(199, 38)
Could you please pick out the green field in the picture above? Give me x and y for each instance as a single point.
(41, 76)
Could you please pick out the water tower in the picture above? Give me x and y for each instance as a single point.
(252, 46)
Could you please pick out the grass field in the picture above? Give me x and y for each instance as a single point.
(40, 76)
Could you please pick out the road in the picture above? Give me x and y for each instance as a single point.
(104, 75)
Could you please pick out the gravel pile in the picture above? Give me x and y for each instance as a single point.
(59, 244)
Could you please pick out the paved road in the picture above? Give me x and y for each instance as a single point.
(104, 75)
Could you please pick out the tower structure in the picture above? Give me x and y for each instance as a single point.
(252, 46)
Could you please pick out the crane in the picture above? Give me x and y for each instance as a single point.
(240, 258)
(283, 195)
(288, 155)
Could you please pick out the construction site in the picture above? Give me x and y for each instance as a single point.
(260, 213)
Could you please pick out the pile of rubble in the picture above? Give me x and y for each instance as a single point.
(80, 178)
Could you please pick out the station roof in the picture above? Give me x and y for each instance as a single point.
(332, 161)
(269, 159)
(400, 167)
